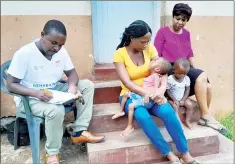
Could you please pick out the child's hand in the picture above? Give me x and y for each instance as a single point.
(182, 102)
(177, 103)
(146, 99)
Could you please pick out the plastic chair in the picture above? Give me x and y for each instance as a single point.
(33, 122)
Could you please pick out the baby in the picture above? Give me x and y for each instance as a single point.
(178, 87)
(157, 68)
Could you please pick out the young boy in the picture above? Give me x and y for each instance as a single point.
(157, 68)
(178, 87)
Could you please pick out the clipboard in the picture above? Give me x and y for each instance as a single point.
(63, 98)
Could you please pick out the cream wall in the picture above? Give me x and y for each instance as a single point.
(45, 8)
(23, 21)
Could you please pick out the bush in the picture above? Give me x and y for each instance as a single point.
(227, 120)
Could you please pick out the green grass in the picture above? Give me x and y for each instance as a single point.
(227, 121)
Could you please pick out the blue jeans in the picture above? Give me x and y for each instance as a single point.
(166, 113)
(138, 100)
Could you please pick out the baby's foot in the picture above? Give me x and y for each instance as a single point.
(117, 115)
(127, 131)
(188, 124)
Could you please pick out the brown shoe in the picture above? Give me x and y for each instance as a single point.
(52, 159)
(87, 137)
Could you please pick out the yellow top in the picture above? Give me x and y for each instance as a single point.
(136, 73)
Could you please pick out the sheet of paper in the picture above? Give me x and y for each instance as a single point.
(59, 97)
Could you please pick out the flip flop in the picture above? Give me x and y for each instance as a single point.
(176, 162)
(207, 123)
(193, 162)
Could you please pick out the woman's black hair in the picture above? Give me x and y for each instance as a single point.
(136, 29)
(182, 9)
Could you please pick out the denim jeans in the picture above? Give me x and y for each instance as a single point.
(166, 113)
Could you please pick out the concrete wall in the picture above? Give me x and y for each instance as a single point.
(211, 27)
(22, 22)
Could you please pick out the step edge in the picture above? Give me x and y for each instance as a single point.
(211, 133)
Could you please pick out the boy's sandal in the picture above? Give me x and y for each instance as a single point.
(207, 123)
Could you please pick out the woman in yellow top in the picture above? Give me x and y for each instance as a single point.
(131, 61)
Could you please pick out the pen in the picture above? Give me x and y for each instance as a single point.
(48, 93)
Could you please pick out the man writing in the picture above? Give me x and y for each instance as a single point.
(41, 64)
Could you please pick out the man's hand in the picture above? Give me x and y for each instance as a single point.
(73, 89)
(79, 94)
(43, 96)
(181, 102)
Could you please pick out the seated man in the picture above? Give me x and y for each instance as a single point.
(40, 65)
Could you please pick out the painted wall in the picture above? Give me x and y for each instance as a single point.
(22, 22)
(211, 27)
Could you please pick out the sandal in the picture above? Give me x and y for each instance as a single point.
(176, 162)
(193, 162)
(190, 162)
(207, 123)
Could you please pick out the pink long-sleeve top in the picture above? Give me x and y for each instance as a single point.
(172, 46)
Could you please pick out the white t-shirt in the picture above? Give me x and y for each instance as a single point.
(177, 88)
(35, 70)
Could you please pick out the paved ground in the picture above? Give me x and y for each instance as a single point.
(70, 154)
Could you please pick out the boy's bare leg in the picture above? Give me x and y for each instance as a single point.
(123, 102)
(176, 109)
(189, 112)
(129, 127)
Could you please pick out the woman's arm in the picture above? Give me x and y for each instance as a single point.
(190, 56)
(125, 78)
(163, 83)
(159, 42)
(192, 62)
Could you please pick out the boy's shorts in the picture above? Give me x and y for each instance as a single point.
(138, 101)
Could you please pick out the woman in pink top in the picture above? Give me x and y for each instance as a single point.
(174, 42)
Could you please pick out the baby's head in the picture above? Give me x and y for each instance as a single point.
(160, 66)
(181, 68)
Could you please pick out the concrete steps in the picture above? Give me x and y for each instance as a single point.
(102, 122)
(107, 91)
(104, 72)
(137, 148)
(204, 143)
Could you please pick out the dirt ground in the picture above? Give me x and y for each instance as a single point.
(70, 154)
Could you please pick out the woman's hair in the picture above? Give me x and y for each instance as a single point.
(182, 9)
(136, 29)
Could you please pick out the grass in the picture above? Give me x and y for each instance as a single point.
(227, 120)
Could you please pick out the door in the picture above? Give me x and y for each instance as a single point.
(109, 20)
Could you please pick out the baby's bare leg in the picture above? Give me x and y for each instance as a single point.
(129, 127)
(176, 109)
(123, 102)
(189, 112)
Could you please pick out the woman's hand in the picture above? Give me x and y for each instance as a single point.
(155, 94)
(160, 101)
